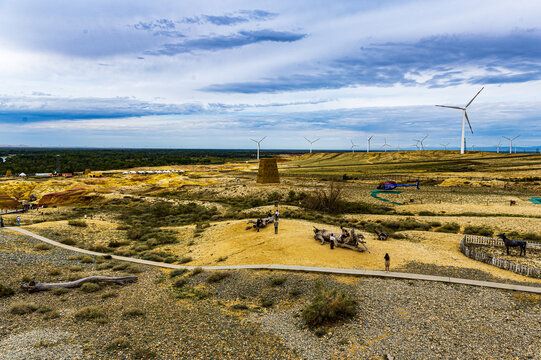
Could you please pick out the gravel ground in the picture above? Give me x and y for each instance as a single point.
(256, 315)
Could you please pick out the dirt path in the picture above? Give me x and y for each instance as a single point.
(358, 272)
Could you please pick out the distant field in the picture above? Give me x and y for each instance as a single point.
(443, 163)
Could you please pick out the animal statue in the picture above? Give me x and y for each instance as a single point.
(264, 222)
(351, 241)
(513, 243)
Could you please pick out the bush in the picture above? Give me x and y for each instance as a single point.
(91, 313)
(426, 213)
(185, 259)
(42, 247)
(78, 223)
(177, 272)
(478, 230)
(90, 287)
(197, 270)
(121, 342)
(70, 242)
(266, 303)
(278, 281)
(55, 272)
(133, 269)
(132, 313)
(217, 276)
(21, 308)
(85, 259)
(295, 292)
(450, 228)
(6, 291)
(109, 294)
(60, 291)
(328, 306)
(239, 307)
(179, 283)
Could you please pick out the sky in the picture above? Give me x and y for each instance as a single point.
(215, 74)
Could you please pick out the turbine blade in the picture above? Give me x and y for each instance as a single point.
(264, 137)
(315, 140)
(516, 137)
(466, 115)
(474, 97)
(506, 138)
(307, 139)
(451, 107)
(253, 140)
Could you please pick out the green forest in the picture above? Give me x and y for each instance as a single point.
(32, 161)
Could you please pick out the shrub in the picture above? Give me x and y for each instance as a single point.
(478, 230)
(177, 272)
(117, 243)
(60, 291)
(70, 242)
(328, 306)
(85, 259)
(121, 266)
(434, 224)
(109, 294)
(133, 269)
(295, 292)
(55, 272)
(170, 260)
(121, 342)
(217, 276)
(153, 257)
(143, 353)
(450, 228)
(221, 259)
(104, 266)
(239, 307)
(42, 247)
(197, 270)
(78, 223)
(185, 259)
(266, 303)
(278, 281)
(21, 308)
(179, 283)
(6, 291)
(76, 268)
(53, 314)
(426, 213)
(90, 287)
(132, 313)
(91, 313)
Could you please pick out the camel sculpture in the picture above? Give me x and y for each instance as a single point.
(352, 240)
(264, 222)
(513, 243)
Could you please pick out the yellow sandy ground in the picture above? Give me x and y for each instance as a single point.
(294, 245)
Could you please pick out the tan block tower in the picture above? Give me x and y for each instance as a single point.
(268, 171)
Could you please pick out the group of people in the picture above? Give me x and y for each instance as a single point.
(259, 222)
(18, 219)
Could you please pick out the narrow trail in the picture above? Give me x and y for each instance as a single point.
(324, 270)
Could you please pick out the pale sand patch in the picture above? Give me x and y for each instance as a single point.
(294, 245)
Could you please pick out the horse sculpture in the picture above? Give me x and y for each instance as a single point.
(513, 243)
(351, 241)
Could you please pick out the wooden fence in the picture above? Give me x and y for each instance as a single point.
(493, 260)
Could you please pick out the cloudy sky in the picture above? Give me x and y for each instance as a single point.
(213, 74)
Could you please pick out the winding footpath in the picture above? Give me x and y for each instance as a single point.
(325, 270)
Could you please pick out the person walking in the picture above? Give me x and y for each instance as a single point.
(276, 225)
(1, 221)
(258, 224)
(18, 220)
(387, 261)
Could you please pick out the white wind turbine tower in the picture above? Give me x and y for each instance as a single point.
(258, 145)
(464, 118)
(368, 143)
(511, 143)
(498, 146)
(384, 145)
(445, 146)
(311, 142)
(353, 146)
(422, 147)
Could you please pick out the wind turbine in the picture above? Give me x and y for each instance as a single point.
(445, 146)
(416, 145)
(258, 145)
(511, 143)
(464, 118)
(421, 142)
(353, 146)
(368, 143)
(311, 142)
(384, 145)
(498, 146)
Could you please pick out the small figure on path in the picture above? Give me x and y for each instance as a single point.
(258, 224)
(276, 215)
(332, 241)
(276, 225)
(387, 261)
(18, 220)
(1, 221)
